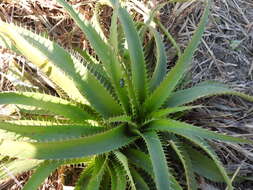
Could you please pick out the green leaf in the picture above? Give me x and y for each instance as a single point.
(97, 174)
(122, 118)
(74, 148)
(186, 162)
(47, 56)
(163, 178)
(163, 91)
(106, 181)
(181, 128)
(85, 176)
(140, 160)
(104, 52)
(17, 166)
(202, 163)
(95, 20)
(204, 145)
(94, 66)
(113, 29)
(118, 177)
(204, 89)
(124, 162)
(161, 61)
(41, 173)
(169, 36)
(139, 76)
(164, 112)
(45, 131)
(47, 102)
(140, 183)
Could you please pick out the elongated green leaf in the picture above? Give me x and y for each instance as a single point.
(163, 178)
(204, 89)
(47, 102)
(202, 163)
(139, 76)
(165, 112)
(16, 167)
(118, 177)
(113, 28)
(104, 52)
(45, 131)
(58, 57)
(6, 43)
(186, 162)
(95, 21)
(74, 148)
(41, 173)
(124, 162)
(163, 91)
(50, 55)
(94, 66)
(113, 176)
(122, 118)
(139, 181)
(85, 176)
(140, 160)
(106, 181)
(169, 36)
(186, 129)
(97, 174)
(204, 145)
(161, 61)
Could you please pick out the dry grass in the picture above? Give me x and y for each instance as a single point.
(225, 54)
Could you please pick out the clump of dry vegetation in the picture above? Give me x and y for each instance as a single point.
(224, 55)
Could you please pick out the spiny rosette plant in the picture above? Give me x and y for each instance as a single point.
(110, 114)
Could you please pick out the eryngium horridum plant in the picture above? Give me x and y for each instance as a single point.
(109, 113)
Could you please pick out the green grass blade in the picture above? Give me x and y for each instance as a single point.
(161, 61)
(204, 89)
(47, 102)
(124, 162)
(28, 130)
(139, 76)
(201, 163)
(16, 167)
(186, 162)
(74, 148)
(104, 52)
(41, 173)
(140, 183)
(181, 128)
(163, 178)
(164, 90)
